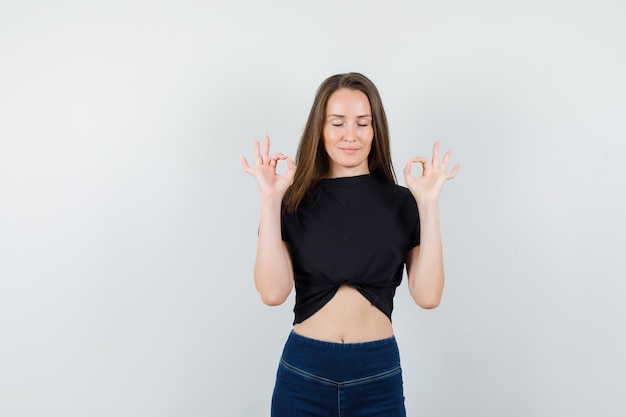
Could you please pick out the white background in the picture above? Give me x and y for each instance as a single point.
(128, 227)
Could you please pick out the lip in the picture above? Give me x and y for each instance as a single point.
(349, 150)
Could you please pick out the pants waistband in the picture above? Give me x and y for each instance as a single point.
(341, 361)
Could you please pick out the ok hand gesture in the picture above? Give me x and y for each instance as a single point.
(270, 183)
(427, 188)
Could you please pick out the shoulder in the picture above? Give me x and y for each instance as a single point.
(393, 190)
(400, 197)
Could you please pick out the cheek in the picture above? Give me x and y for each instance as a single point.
(367, 135)
(326, 141)
(329, 137)
(370, 139)
(370, 144)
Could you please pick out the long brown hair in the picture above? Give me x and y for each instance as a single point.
(311, 157)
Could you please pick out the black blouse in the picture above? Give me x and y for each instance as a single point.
(357, 231)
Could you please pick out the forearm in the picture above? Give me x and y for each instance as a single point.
(273, 274)
(426, 277)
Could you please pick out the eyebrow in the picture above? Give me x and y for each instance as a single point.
(341, 115)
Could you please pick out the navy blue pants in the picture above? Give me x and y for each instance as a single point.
(325, 379)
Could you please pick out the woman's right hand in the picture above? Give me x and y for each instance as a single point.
(270, 183)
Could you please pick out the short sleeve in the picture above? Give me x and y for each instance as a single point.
(412, 214)
(284, 225)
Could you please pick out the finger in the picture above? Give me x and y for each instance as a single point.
(422, 160)
(275, 158)
(407, 169)
(266, 148)
(257, 153)
(446, 156)
(419, 160)
(452, 173)
(244, 162)
(291, 168)
(436, 154)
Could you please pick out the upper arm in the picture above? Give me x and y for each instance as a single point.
(288, 259)
(412, 257)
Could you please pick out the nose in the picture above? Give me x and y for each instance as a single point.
(350, 133)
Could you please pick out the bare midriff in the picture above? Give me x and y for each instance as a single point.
(347, 318)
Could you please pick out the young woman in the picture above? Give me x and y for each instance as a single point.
(340, 228)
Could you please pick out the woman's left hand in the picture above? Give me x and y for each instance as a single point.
(427, 188)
